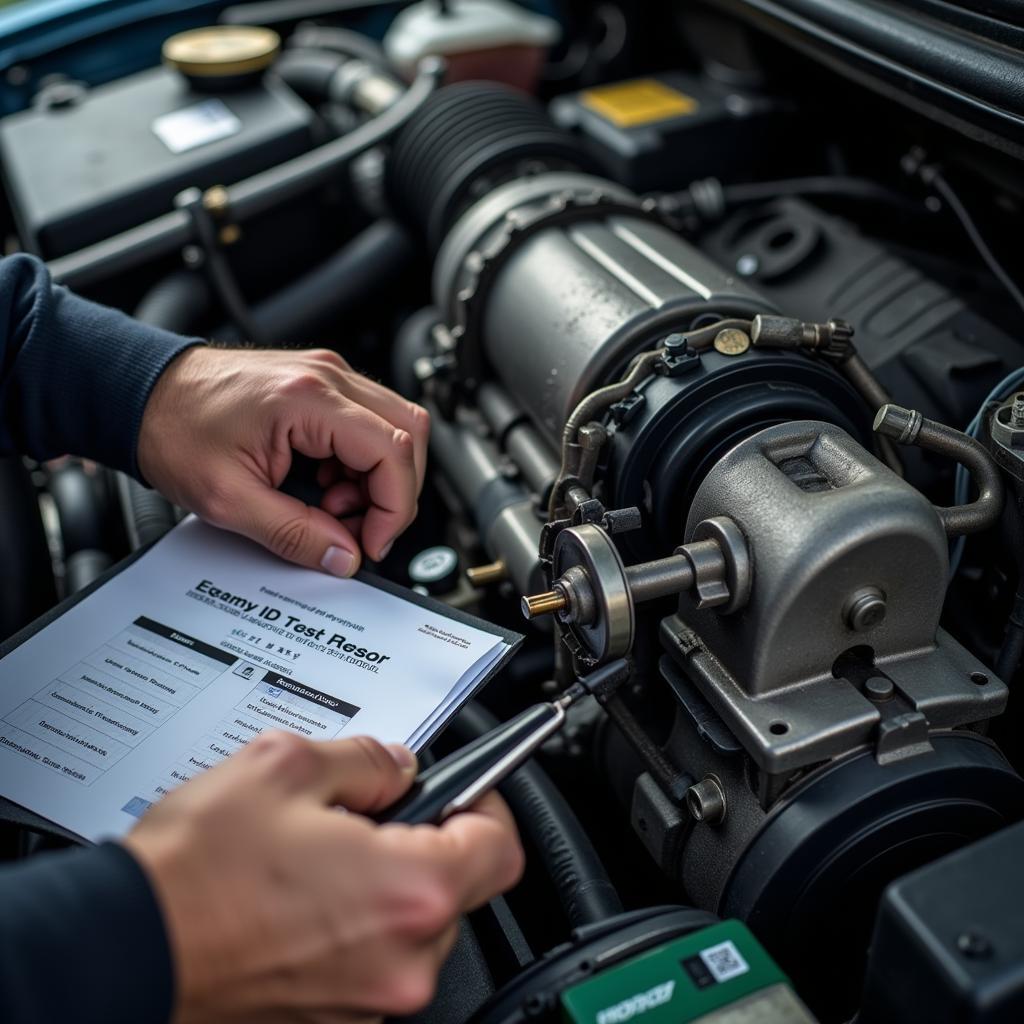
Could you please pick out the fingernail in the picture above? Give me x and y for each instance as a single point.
(404, 757)
(338, 561)
(385, 551)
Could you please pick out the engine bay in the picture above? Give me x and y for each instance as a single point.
(716, 324)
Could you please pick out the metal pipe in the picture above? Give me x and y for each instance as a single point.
(907, 426)
(661, 578)
(518, 438)
(247, 198)
(527, 449)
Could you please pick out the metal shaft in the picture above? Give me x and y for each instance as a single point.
(534, 605)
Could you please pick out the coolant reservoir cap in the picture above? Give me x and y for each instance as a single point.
(222, 51)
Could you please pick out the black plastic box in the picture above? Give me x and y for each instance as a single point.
(80, 173)
(948, 946)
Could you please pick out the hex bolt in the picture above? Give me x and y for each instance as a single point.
(705, 801)
(865, 609)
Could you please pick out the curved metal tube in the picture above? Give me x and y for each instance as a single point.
(907, 426)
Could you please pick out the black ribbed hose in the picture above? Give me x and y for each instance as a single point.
(465, 138)
(549, 823)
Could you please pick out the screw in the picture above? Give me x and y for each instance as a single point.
(706, 801)
(1017, 410)
(865, 609)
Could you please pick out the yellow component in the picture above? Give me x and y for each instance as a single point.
(732, 342)
(641, 101)
(219, 51)
(492, 572)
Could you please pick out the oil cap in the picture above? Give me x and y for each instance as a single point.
(222, 56)
(435, 570)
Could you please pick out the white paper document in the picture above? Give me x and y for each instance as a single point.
(198, 646)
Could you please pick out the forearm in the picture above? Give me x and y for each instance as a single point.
(82, 939)
(76, 375)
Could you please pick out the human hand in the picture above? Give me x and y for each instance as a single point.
(279, 907)
(218, 433)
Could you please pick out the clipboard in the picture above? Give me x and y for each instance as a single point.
(14, 815)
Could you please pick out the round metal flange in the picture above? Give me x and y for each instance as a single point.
(738, 577)
(610, 633)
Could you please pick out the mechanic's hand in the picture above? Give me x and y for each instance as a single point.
(217, 437)
(280, 907)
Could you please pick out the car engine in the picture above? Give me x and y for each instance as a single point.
(714, 309)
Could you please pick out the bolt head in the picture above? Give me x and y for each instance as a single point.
(878, 688)
(865, 609)
(732, 342)
(705, 800)
(974, 945)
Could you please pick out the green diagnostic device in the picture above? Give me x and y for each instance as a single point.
(718, 975)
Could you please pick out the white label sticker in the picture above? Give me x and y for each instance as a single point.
(724, 961)
(197, 125)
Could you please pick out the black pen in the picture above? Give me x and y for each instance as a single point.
(459, 780)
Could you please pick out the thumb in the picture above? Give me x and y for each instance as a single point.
(295, 531)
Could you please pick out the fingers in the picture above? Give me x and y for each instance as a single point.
(483, 851)
(292, 530)
(413, 419)
(362, 774)
(475, 854)
(358, 773)
(343, 498)
(364, 441)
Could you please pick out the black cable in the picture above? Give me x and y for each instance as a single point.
(551, 825)
(932, 177)
(216, 264)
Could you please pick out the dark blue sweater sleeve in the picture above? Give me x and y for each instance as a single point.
(74, 375)
(82, 939)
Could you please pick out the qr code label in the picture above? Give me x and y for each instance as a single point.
(724, 961)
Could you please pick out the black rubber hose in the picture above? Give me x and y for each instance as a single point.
(248, 198)
(546, 819)
(308, 72)
(341, 41)
(178, 303)
(367, 263)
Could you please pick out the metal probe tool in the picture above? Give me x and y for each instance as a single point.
(460, 779)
